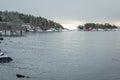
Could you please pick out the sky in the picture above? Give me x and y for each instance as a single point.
(69, 13)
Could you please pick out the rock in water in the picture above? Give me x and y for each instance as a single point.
(1, 38)
(5, 59)
(21, 76)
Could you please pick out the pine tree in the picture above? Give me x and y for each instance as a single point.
(0, 18)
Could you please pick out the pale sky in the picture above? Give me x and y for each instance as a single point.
(70, 13)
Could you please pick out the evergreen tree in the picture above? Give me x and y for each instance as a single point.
(0, 18)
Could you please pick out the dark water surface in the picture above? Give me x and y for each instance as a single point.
(63, 56)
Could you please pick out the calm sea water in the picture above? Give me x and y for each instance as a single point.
(70, 55)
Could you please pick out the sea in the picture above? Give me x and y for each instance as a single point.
(70, 55)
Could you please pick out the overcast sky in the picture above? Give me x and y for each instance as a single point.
(68, 12)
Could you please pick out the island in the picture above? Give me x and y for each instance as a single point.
(97, 27)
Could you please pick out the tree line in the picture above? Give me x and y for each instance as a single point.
(97, 26)
(20, 18)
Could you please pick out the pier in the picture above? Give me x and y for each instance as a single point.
(11, 29)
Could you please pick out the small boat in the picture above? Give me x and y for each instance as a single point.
(4, 58)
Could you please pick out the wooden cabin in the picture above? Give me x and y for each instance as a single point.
(12, 29)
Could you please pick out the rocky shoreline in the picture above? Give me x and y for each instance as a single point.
(4, 58)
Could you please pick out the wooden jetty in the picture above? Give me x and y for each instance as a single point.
(11, 29)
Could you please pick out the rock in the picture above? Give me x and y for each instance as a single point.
(1, 38)
(5, 59)
(21, 76)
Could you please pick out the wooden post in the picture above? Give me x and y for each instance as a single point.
(21, 33)
(11, 33)
(5, 33)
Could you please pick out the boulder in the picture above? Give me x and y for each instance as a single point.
(5, 59)
(21, 76)
(1, 38)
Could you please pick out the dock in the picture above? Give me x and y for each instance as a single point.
(11, 29)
